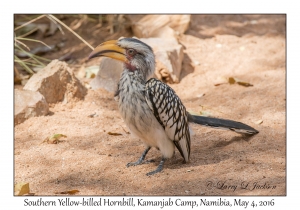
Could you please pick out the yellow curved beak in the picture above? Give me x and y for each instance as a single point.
(109, 49)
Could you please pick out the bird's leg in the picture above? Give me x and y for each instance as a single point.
(140, 160)
(159, 168)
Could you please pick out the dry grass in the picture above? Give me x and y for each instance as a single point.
(34, 60)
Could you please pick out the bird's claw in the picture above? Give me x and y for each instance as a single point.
(154, 172)
(139, 163)
(149, 161)
(132, 164)
(158, 169)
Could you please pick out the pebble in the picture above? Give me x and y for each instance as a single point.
(218, 45)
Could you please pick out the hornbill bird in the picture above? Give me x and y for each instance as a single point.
(150, 108)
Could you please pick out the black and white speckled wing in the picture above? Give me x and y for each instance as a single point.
(170, 113)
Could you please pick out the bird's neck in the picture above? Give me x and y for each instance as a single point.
(137, 75)
(131, 81)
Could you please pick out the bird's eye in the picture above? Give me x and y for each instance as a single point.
(131, 52)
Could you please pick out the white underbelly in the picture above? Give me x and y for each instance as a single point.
(143, 124)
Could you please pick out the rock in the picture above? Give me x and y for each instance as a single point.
(152, 25)
(108, 75)
(168, 56)
(29, 104)
(56, 82)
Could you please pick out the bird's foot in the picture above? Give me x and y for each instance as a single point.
(139, 162)
(155, 171)
(148, 161)
(134, 163)
(158, 169)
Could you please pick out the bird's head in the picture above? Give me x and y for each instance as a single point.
(135, 54)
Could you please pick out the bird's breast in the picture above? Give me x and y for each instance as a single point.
(133, 106)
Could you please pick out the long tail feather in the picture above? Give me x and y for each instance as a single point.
(184, 148)
(222, 124)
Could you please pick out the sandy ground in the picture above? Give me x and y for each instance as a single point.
(248, 47)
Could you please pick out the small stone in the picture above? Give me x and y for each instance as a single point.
(93, 115)
(29, 104)
(258, 122)
(218, 45)
(196, 63)
(200, 95)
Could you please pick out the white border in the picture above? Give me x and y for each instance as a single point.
(54, 6)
